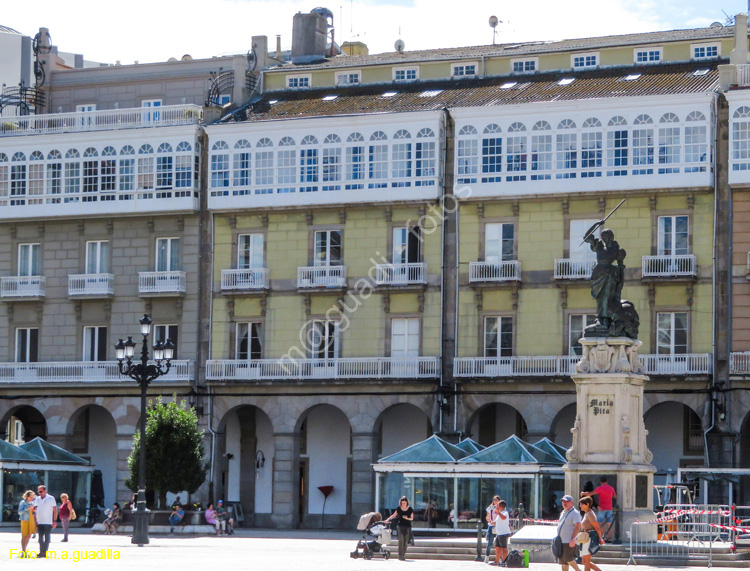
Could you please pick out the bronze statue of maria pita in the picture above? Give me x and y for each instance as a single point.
(615, 317)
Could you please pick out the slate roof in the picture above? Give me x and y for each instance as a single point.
(512, 49)
(666, 79)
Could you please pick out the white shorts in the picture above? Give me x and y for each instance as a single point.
(585, 548)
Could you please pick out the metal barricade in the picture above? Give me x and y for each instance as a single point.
(683, 543)
(717, 514)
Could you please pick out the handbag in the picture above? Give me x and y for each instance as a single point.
(595, 545)
(582, 537)
(72, 513)
(557, 543)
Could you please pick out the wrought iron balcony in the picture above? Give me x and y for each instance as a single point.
(172, 282)
(321, 277)
(669, 266)
(23, 286)
(495, 271)
(401, 274)
(572, 269)
(84, 372)
(114, 119)
(244, 280)
(323, 369)
(80, 285)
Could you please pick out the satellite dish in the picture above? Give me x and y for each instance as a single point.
(494, 22)
(399, 45)
(716, 25)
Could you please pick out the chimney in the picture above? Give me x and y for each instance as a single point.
(739, 54)
(278, 47)
(309, 35)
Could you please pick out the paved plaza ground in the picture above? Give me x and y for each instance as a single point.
(259, 550)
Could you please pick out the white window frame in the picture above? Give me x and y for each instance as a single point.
(151, 116)
(461, 66)
(649, 51)
(325, 339)
(662, 250)
(94, 349)
(405, 70)
(165, 331)
(251, 330)
(345, 77)
(407, 245)
(251, 247)
(662, 341)
(34, 260)
(28, 350)
(299, 78)
(585, 56)
(705, 46)
(171, 265)
(499, 348)
(524, 64)
(501, 239)
(405, 336)
(327, 261)
(97, 257)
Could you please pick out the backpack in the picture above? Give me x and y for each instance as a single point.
(514, 559)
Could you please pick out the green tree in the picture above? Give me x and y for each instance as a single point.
(174, 450)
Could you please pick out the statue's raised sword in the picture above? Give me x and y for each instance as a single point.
(601, 222)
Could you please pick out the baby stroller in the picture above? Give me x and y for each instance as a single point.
(372, 524)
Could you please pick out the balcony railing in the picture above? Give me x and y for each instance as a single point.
(400, 274)
(91, 284)
(161, 282)
(244, 280)
(669, 266)
(23, 286)
(739, 363)
(747, 271)
(495, 271)
(132, 118)
(564, 365)
(321, 276)
(312, 369)
(572, 269)
(83, 372)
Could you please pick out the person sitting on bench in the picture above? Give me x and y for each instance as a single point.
(223, 515)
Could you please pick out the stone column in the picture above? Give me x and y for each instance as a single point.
(285, 480)
(363, 477)
(609, 435)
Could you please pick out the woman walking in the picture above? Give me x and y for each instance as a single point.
(66, 510)
(28, 523)
(404, 515)
(589, 523)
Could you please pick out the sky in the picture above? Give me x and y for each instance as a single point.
(155, 30)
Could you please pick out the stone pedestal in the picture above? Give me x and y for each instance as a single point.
(609, 436)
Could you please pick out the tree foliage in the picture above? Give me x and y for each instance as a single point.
(174, 450)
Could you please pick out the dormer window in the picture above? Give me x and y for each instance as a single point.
(524, 65)
(405, 73)
(298, 81)
(585, 61)
(705, 51)
(461, 70)
(349, 78)
(645, 56)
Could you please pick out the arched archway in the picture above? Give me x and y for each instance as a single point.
(325, 459)
(675, 437)
(244, 463)
(562, 424)
(399, 426)
(495, 422)
(23, 424)
(92, 434)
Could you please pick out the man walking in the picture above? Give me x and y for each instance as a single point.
(567, 529)
(46, 519)
(606, 494)
(502, 532)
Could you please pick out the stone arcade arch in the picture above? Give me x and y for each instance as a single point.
(675, 437)
(495, 422)
(25, 423)
(91, 433)
(325, 459)
(245, 463)
(399, 426)
(561, 425)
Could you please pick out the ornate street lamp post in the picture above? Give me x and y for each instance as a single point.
(143, 373)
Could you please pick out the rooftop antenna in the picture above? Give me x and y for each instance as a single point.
(493, 24)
